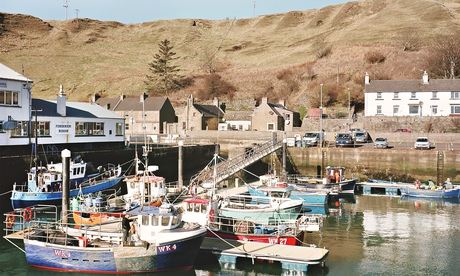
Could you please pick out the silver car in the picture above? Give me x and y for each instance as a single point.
(422, 143)
(381, 143)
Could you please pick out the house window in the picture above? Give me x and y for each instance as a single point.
(288, 116)
(42, 130)
(3, 84)
(126, 126)
(271, 126)
(119, 129)
(240, 127)
(21, 130)
(454, 95)
(9, 98)
(455, 109)
(396, 95)
(413, 109)
(413, 95)
(434, 95)
(184, 125)
(395, 109)
(379, 95)
(434, 109)
(89, 128)
(379, 109)
(1, 127)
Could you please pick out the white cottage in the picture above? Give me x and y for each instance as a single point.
(424, 97)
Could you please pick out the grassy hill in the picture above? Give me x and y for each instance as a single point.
(281, 55)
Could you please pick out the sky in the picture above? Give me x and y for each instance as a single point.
(137, 11)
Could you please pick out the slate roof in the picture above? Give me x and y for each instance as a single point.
(209, 110)
(8, 73)
(232, 115)
(74, 109)
(133, 103)
(413, 85)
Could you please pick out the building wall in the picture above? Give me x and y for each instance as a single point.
(167, 114)
(17, 113)
(423, 100)
(264, 115)
(238, 125)
(62, 130)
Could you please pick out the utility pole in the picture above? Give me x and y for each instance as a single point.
(321, 128)
(66, 5)
(349, 104)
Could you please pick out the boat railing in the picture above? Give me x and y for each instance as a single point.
(20, 188)
(111, 173)
(20, 219)
(252, 226)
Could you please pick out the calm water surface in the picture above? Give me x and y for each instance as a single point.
(375, 235)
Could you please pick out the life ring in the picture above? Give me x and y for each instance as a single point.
(211, 215)
(27, 214)
(9, 221)
(133, 229)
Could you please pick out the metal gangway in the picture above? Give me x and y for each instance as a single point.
(231, 166)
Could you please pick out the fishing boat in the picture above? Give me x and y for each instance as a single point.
(436, 192)
(260, 209)
(334, 179)
(202, 211)
(158, 241)
(272, 187)
(44, 183)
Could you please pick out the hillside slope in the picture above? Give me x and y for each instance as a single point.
(89, 56)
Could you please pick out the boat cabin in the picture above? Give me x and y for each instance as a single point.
(197, 210)
(144, 188)
(150, 222)
(50, 177)
(335, 174)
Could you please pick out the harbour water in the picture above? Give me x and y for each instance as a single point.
(375, 235)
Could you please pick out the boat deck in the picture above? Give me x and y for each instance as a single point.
(18, 235)
(292, 258)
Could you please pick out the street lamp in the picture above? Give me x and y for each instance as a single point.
(321, 117)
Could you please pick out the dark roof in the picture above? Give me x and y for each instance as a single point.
(231, 115)
(413, 85)
(209, 110)
(133, 103)
(73, 109)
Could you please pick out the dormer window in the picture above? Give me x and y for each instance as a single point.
(434, 95)
(396, 95)
(413, 95)
(379, 95)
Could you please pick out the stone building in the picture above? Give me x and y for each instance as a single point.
(274, 116)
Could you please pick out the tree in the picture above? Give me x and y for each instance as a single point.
(164, 75)
(444, 58)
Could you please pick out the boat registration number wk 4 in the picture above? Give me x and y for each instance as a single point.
(61, 253)
(166, 248)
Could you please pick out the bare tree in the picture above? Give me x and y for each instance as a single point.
(444, 58)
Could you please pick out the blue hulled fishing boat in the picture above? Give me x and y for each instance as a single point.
(44, 184)
(156, 239)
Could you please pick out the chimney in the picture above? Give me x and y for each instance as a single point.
(366, 79)
(282, 102)
(61, 102)
(122, 97)
(264, 100)
(425, 78)
(142, 97)
(95, 97)
(215, 101)
(190, 100)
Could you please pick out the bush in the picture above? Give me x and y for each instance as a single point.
(215, 86)
(374, 57)
(323, 51)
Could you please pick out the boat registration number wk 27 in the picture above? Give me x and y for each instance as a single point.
(61, 253)
(275, 241)
(166, 248)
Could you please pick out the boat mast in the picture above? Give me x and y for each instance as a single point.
(36, 145)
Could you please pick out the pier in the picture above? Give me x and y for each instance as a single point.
(294, 260)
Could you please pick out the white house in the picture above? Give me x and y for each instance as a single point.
(56, 122)
(14, 103)
(236, 120)
(424, 97)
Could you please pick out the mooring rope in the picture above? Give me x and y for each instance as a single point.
(6, 193)
(242, 250)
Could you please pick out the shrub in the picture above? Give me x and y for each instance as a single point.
(215, 86)
(374, 57)
(323, 51)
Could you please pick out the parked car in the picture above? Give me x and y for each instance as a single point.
(422, 143)
(311, 139)
(403, 130)
(360, 137)
(381, 143)
(344, 139)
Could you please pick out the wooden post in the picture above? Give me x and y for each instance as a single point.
(180, 180)
(65, 154)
